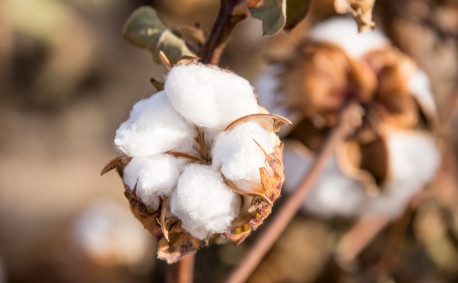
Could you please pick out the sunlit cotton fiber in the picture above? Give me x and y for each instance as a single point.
(203, 202)
(239, 157)
(208, 96)
(154, 127)
(155, 177)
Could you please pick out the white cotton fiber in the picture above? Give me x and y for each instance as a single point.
(209, 97)
(155, 177)
(344, 32)
(203, 202)
(239, 157)
(420, 87)
(414, 159)
(154, 127)
(334, 193)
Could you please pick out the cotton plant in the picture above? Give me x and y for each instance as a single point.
(392, 155)
(200, 160)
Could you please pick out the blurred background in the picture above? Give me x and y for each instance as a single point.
(68, 79)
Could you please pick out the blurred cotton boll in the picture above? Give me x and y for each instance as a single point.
(108, 235)
(391, 156)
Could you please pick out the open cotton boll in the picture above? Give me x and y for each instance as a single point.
(203, 202)
(208, 96)
(239, 157)
(334, 193)
(155, 177)
(154, 127)
(414, 160)
(344, 33)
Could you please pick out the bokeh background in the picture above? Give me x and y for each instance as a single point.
(68, 79)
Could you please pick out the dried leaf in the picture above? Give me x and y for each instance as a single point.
(119, 163)
(259, 192)
(180, 244)
(272, 186)
(202, 147)
(296, 10)
(167, 219)
(147, 218)
(272, 14)
(239, 234)
(185, 155)
(193, 36)
(261, 204)
(269, 122)
(158, 85)
(361, 11)
(145, 29)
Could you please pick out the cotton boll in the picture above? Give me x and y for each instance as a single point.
(334, 193)
(154, 127)
(344, 33)
(209, 97)
(414, 159)
(203, 202)
(155, 177)
(239, 157)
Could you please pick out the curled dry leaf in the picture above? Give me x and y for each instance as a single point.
(118, 163)
(361, 11)
(157, 85)
(180, 243)
(269, 122)
(145, 216)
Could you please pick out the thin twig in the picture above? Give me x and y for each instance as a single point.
(182, 271)
(294, 202)
(222, 28)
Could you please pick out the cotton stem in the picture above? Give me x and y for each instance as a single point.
(222, 28)
(182, 271)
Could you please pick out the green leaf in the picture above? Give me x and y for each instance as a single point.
(296, 10)
(272, 14)
(145, 29)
